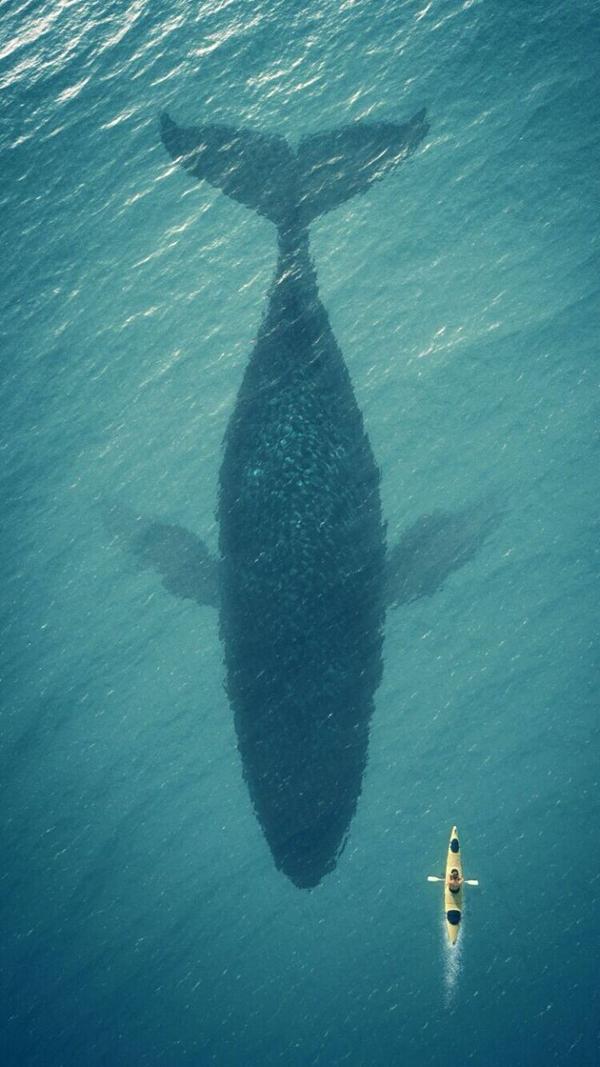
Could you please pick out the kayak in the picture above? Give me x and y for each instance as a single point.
(453, 902)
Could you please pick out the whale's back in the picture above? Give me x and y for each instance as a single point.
(302, 543)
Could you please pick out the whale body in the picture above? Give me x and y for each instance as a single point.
(301, 536)
(303, 556)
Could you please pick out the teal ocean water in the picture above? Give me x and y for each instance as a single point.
(143, 920)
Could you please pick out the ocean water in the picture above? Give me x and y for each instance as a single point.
(142, 918)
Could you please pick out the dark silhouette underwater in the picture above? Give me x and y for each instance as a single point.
(303, 577)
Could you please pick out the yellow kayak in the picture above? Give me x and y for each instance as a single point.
(453, 899)
(453, 887)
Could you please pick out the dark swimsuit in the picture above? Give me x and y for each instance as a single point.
(454, 889)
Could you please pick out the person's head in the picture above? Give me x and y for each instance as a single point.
(454, 872)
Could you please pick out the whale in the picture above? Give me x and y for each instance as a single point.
(303, 575)
(301, 536)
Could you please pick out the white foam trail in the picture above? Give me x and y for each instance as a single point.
(452, 967)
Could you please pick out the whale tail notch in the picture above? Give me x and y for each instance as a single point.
(262, 172)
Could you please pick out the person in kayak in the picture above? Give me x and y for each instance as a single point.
(454, 881)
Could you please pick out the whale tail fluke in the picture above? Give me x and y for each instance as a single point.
(252, 168)
(262, 172)
(338, 164)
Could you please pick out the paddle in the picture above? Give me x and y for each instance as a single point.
(467, 881)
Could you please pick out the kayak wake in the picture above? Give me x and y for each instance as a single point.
(453, 965)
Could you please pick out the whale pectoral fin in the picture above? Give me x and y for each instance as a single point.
(250, 167)
(435, 546)
(336, 165)
(182, 560)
